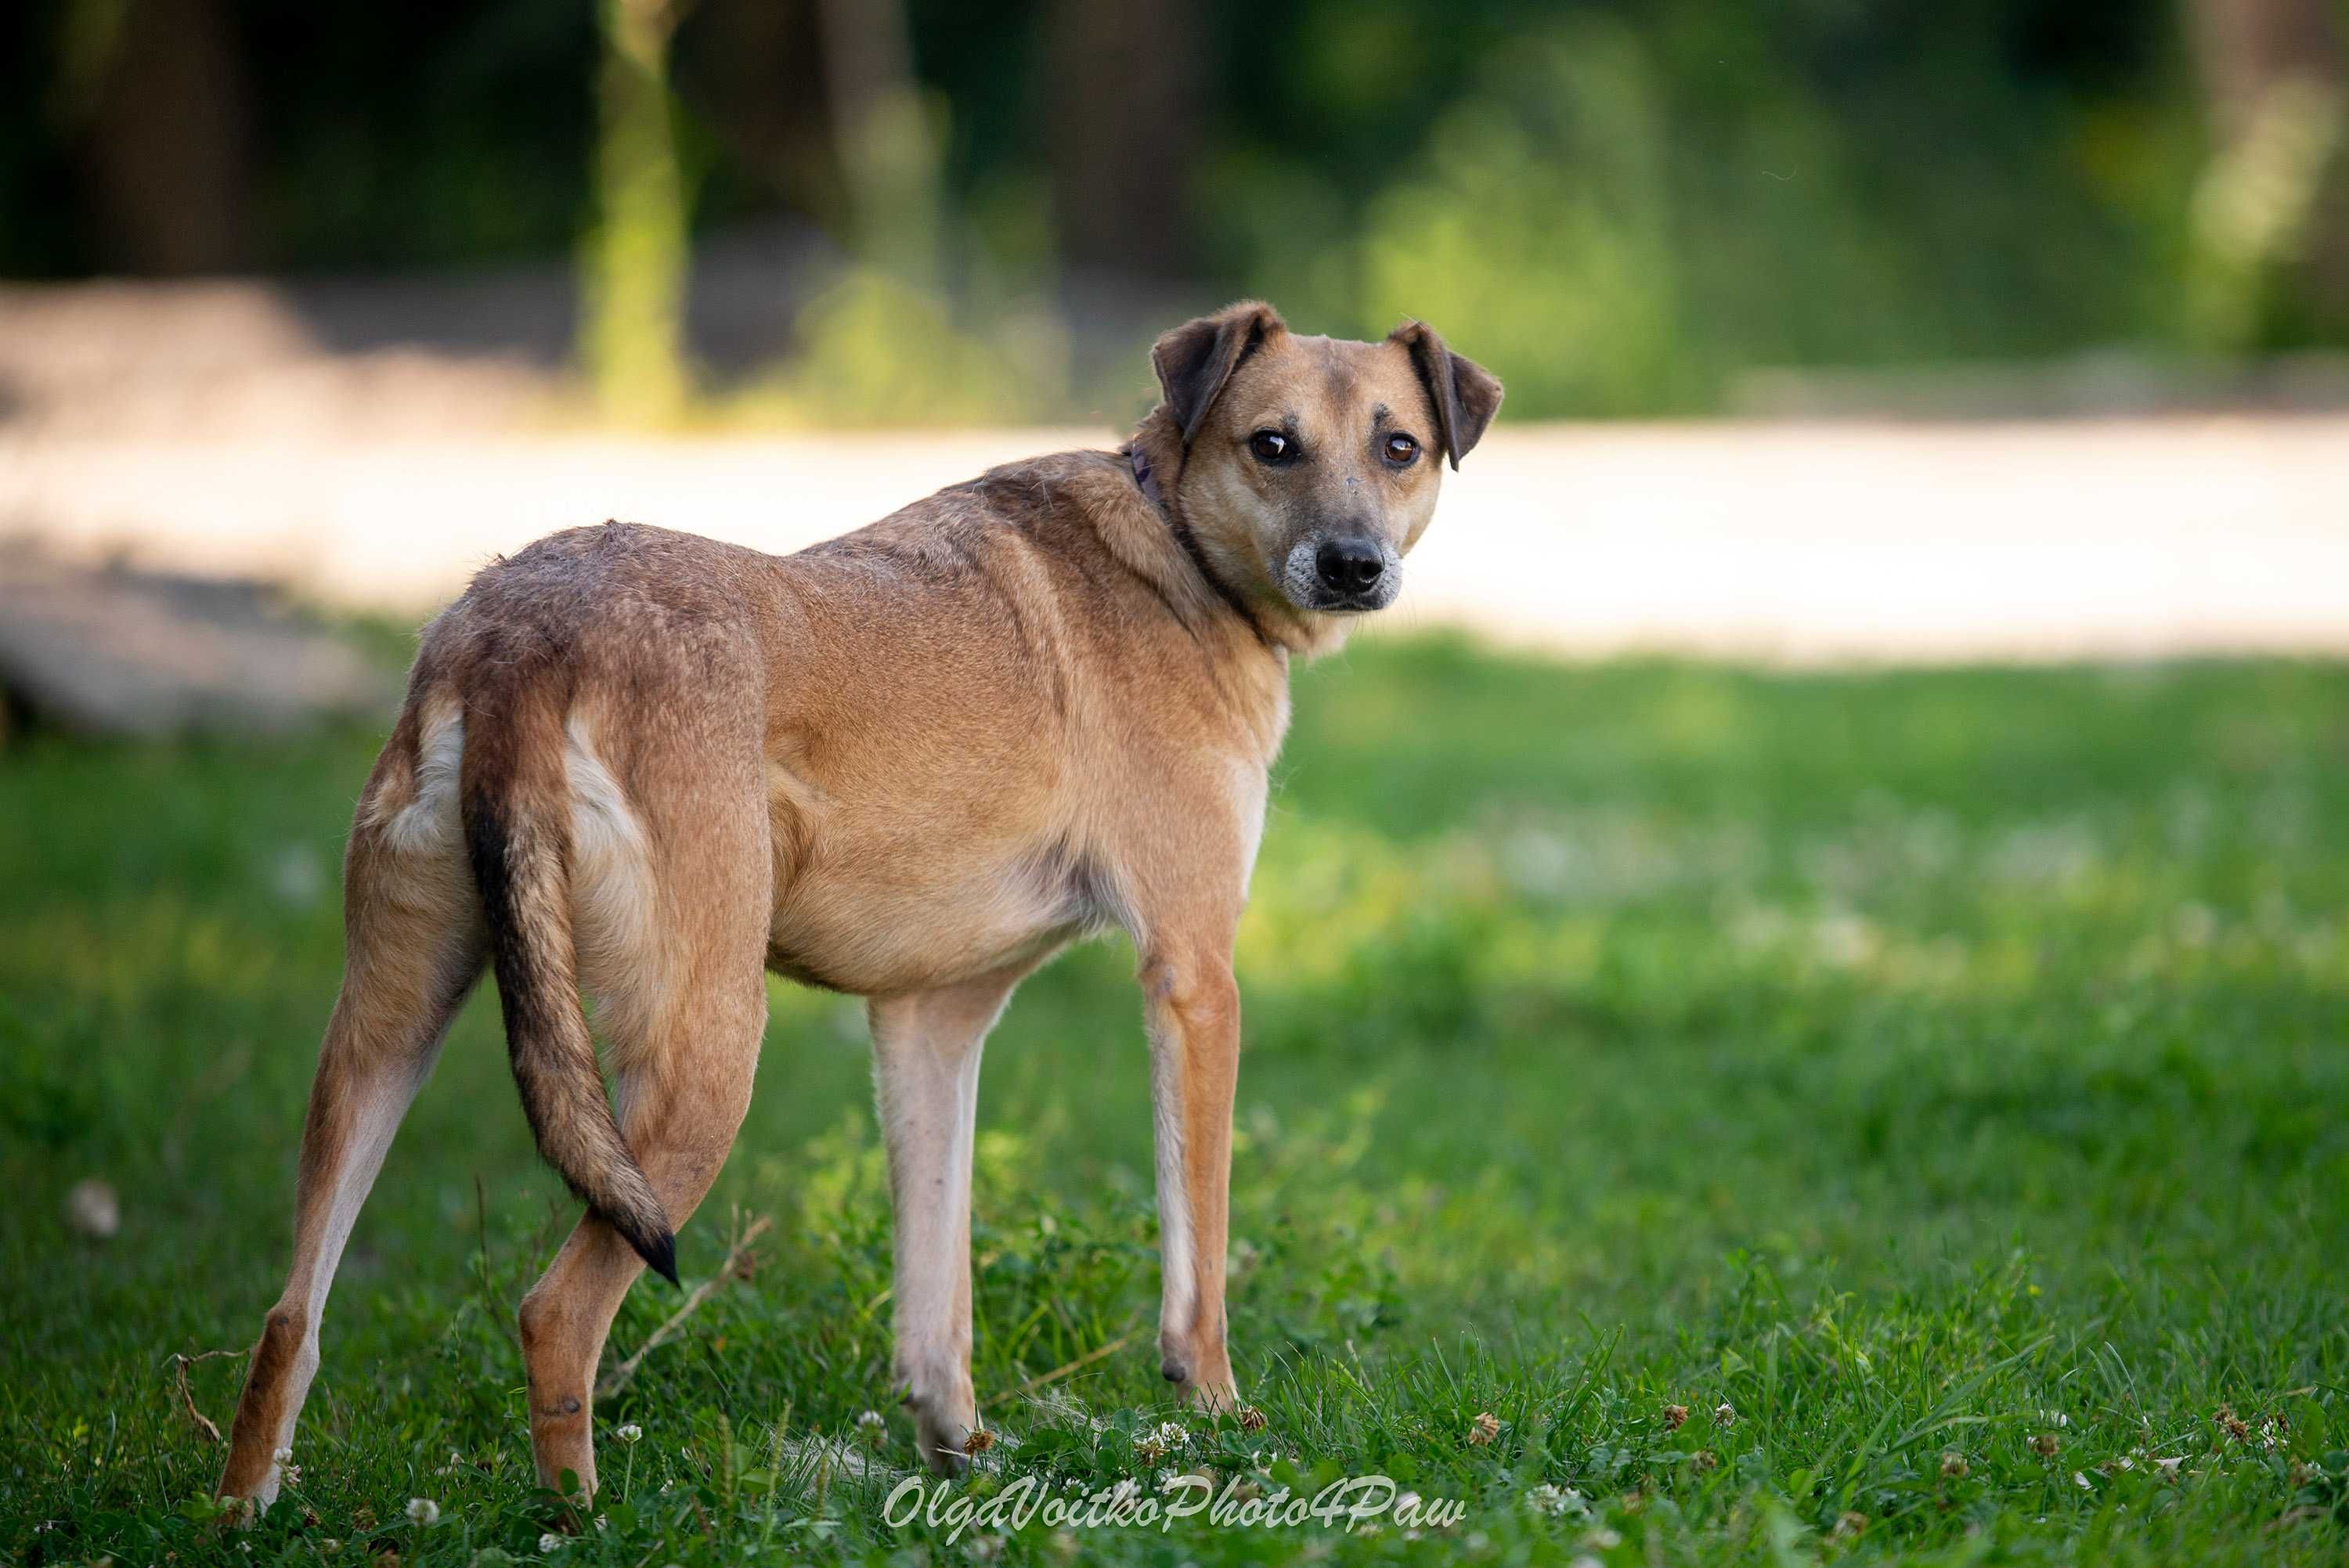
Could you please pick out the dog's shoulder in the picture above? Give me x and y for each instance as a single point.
(1042, 489)
(1047, 498)
(1041, 524)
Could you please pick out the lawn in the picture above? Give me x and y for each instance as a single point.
(1806, 1115)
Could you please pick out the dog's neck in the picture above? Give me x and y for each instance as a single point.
(1155, 455)
(1178, 529)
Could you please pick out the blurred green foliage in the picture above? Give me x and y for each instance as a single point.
(1622, 207)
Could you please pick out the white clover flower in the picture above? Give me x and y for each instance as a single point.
(550, 1543)
(631, 1433)
(872, 1421)
(1555, 1500)
(1174, 1434)
(423, 1511)
(281, 1456)
(1149, 1449)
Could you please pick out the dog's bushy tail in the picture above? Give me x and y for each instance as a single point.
(516, 803)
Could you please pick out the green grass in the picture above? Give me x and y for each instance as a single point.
(1935, 1068)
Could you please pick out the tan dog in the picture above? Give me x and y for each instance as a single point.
(910, 764)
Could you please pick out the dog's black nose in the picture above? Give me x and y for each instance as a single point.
(1350, 565)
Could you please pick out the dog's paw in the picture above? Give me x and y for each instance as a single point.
(1217, 1397)
(247, 1489)
(240, 1512)
(945, 1443)
(946, 1428)
(1202, 1376)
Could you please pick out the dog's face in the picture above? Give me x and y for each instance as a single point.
(1312, 464)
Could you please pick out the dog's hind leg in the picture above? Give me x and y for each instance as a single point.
(670, 885)
(680, 1117)
(414, 947)
(925, 1067)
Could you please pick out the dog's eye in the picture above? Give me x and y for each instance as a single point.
(1271, 447)
(1401, 449)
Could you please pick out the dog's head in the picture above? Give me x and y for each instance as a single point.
(1309, 465)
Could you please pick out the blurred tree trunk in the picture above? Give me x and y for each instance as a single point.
(888, 155)
(633, 313)
(2275, 77)
(160, 88)
(1124, 131)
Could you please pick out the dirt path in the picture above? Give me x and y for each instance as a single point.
(1785, 541)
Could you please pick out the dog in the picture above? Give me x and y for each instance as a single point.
(909, 765)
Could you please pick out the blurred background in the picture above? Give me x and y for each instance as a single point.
(2009, 328)
(900, 211)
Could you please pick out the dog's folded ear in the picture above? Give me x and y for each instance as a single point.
(1465, 394)
(1196, 358)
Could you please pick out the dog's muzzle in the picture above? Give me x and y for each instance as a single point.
(1341, 573)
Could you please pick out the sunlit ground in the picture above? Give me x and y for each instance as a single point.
(1781, 541)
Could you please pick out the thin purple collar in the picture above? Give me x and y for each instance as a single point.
(1146, 480)
(1148, 484)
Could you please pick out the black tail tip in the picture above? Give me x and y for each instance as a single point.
(659, 1249)
(662, 1255)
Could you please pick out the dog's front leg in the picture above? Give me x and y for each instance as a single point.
(1194, 1045)
(926, 1069)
